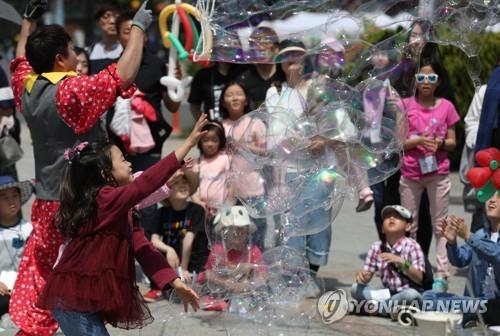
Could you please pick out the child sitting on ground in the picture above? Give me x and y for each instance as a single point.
(180, 229)
(398, 260)
(235, 264)
(14, 231)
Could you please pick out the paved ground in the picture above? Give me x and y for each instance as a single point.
(352, 235)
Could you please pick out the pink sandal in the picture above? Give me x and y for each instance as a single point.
(365, 199)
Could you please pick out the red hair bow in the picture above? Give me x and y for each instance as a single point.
(487, 177)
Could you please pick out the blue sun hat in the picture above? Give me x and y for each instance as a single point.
(24, 187)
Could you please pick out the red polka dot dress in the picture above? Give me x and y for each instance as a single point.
(39, 257)
(80, 102)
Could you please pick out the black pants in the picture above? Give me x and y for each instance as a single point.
(4, 304)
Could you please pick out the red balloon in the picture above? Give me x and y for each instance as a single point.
(478, 176)
(495, 179)
(485, 156)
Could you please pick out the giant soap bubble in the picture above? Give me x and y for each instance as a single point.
(340, 127)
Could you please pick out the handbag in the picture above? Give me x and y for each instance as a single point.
(10, 150)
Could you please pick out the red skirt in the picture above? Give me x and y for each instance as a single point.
(96, 273)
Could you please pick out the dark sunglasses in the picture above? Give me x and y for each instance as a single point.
(431, 78)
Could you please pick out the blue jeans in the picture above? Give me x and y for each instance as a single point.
(407, 296)
(439, 301)
(80, 324)
(315, 247)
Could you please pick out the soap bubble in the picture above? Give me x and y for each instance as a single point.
(341, 129)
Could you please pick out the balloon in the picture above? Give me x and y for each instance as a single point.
(478, 176)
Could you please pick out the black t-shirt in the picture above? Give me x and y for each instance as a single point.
(207, 86)
(257, 86)
(173, 225)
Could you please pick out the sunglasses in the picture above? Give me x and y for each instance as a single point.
(431, 78)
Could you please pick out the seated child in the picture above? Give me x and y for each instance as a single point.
(235, 264)
(180, 228)
(481, 252)
(14, 231)
(398, 260)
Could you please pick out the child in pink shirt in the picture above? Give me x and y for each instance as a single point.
(248, 132)
(235, 265)
(213, 166)
(431, 135)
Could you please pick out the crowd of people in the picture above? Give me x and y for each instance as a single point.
(105, 197)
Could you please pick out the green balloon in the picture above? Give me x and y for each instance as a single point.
(486, 192)
(493, 165)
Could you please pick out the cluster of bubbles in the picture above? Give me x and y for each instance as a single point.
(294, 159)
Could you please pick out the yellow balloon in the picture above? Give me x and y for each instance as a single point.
(135, 4)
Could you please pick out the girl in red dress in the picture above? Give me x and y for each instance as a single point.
(93, 280)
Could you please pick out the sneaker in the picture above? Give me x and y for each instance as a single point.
(440, 285)
(210, 303)
(365, 200)
(153, 295)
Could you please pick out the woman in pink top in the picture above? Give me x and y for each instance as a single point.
(431, 135)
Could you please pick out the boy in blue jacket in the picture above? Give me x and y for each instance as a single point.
(481, 252)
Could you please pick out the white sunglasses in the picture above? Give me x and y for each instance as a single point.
(431, 78)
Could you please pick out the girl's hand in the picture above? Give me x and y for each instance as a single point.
(172, 258)
(317, 145)
(392, 258)
(186, 294)
(175, 178)
(239, 286)
(429, 143)
(458, 224)
(197, 133)
(188, 163)
(3, 289)
(447, 231)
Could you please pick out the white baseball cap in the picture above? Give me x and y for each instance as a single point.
(405, 213)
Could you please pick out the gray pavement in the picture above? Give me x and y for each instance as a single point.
(353, 234)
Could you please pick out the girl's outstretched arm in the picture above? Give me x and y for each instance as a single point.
(114, 200)
(192, 139)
